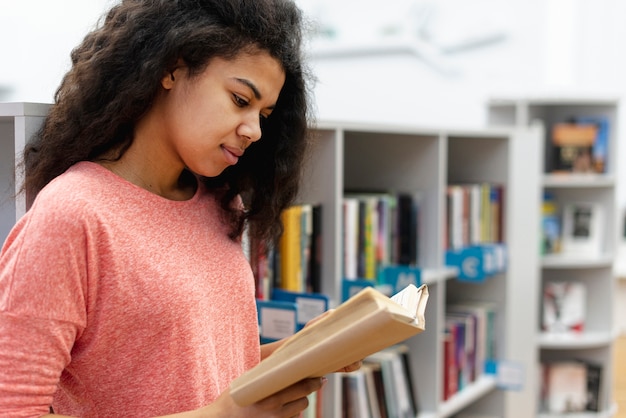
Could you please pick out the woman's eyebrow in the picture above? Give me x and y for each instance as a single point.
(255, 90)
(251, 86)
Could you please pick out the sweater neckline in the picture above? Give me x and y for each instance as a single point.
(135, 189)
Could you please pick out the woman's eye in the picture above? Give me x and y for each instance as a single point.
(240, 101)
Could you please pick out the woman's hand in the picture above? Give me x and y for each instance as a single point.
(287, 403)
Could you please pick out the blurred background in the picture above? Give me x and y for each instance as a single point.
(426, 62)
(420, 62)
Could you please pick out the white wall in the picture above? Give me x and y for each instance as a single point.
(550, 46)
(36, 38)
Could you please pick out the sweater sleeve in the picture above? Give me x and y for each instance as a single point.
(42, 305)
(33, 352)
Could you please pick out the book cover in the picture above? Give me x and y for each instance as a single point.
(470, 325)
(314, 282)
(390, 395)
(566, 387)
(594, 379)
(573, 145)
(550, 225)
(356, 396)
(399, 395)
(376, 411)
(564, 306)
(600, 149)
(350, 237)
(405, 355)
(459, 355)
(290, 250)
(583, 228)
(484, 332)
(361, 326)
(450, 372)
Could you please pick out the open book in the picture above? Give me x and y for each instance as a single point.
(364, 324)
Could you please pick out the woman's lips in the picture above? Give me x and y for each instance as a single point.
(232, 154)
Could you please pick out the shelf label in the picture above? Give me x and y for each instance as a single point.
(509, 374)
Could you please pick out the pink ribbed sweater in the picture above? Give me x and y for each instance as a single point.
(117, 302)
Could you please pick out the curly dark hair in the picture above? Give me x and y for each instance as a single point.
(115, 77)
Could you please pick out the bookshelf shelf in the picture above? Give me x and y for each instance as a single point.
(476, 390)
(578, 180)
(602, 414)
(595, 273)
(433, 276)
(560, 261)
(585, 340)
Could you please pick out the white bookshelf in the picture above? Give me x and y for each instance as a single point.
(595, 271)
(405, 158)
(18, 122)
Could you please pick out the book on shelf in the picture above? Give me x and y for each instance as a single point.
(570, 386)
(291, 274)
(583, 227)
(600, 151)
(468, 343)
(364, 324)
(376, 410)
(573, 146)
(379, 229)
(484, 314)
(550, 225)
(355, 395)
(580, 145)
(397, 388)
(465, 347)
(564, 306)
(294, 262)
(450, 371)
(474, 214)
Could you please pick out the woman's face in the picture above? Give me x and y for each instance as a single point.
(209, 120)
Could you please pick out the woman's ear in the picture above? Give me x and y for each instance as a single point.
(169, 79)
(170, 76)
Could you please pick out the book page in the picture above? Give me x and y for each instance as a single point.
(408, 298)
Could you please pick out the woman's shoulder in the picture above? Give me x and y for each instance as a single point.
(81, 186)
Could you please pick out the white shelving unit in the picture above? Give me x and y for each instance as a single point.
(361, 156)
(596, 272)
(18, 122)
(353, 156)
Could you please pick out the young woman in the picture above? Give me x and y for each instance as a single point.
(124, 290)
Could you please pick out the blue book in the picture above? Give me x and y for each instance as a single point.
(600, 149)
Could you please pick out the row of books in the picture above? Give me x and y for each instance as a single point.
(570, 386)
(468, 344)
(572, 228)
(578, 145)
(382, 388)
(474, 214)
(379, 229)
(294, 263)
